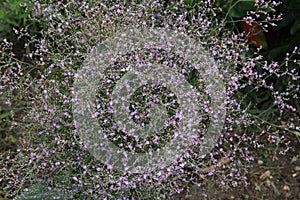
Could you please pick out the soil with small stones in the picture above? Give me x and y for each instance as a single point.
(271, 178)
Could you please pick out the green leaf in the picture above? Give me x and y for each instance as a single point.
(39, 191)
(273, 53)
(6, 114)
(257, 187)
(287, 20)
(296, 27)
(11, 138)
(11, 21)
(296, 133)
(4, 27)
(189, 2)
(240, 8)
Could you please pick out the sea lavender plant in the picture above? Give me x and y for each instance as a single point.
(52, 153)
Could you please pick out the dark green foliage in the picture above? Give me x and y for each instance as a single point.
(14, 13)
(286, 35)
